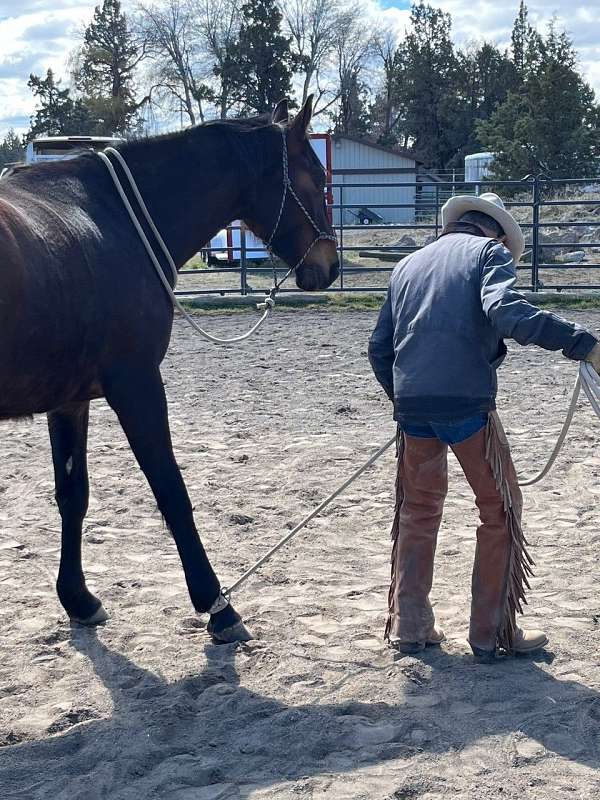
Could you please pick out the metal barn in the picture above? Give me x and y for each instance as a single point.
(355, 161)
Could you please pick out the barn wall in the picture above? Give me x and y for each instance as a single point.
(349, 155)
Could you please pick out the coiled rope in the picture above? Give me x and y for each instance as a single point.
(589, 379)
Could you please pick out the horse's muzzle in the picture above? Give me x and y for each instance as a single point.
(315, 278)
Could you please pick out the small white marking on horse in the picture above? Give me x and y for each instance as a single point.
(69, 465)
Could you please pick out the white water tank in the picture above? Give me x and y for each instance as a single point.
(477, 166)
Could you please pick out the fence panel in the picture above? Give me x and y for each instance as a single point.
(560, 220)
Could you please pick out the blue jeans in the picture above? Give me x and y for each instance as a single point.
(447, 432)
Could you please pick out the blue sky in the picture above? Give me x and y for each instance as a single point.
(37, 34)
(395, 4)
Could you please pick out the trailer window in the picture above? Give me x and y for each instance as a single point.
(56, 148)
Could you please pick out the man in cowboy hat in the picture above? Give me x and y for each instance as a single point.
(435, 350)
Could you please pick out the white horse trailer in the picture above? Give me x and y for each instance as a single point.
(227, 245)
(51, 148)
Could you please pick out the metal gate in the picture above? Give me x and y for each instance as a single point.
(559, 217)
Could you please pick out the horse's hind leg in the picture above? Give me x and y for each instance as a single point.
(138, 398)
(68, 428)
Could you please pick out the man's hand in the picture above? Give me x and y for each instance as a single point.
(593, 357)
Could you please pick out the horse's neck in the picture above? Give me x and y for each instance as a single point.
(191, 185)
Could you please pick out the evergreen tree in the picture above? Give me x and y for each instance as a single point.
(520, 31)
(486, 77)
(490, 75)
(352, 116)
(259, 66)
(427, 77)
(11, 149)
(104, 75)
(552, 124)
(58, 114)
(527, 44)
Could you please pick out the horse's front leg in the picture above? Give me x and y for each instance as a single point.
(68, 428)
(137, 396)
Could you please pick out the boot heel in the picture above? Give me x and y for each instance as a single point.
(483, 656)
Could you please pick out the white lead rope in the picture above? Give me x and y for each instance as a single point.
(312, 515)
(590, 381)
(588, 378)
(268, 303)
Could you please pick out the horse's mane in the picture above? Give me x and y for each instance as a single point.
(251, 154)
(251, 151)
(233, 125)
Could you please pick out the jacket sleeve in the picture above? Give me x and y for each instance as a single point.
(381, 348)
(514, 318)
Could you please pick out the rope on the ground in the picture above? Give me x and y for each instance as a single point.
(588, 378)
(312, 515)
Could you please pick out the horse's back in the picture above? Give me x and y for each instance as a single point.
(66, 309)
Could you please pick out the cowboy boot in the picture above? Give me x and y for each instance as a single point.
(502, 564)
(421, 488)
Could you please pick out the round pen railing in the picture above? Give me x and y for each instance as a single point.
(536, 194)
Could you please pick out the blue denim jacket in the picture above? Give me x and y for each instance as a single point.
(439, 338)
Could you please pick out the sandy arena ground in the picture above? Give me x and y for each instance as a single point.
(146, 707)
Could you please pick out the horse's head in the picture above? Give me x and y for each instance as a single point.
(290, 215)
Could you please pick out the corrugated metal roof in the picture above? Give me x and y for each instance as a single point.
(368, 143)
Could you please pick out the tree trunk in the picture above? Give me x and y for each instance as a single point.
(307, 79)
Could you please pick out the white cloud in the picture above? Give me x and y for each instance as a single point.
(493, 21)
(37, 34)
(490, 20)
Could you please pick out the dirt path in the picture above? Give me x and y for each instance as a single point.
(315, 707)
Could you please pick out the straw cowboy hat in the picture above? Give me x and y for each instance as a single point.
(490, 204)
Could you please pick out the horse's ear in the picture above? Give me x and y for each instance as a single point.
(302, 119)
(281, 111)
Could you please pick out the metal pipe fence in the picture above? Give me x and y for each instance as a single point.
(552, 213)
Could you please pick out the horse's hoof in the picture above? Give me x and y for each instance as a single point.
(98, 617)
(232, 633)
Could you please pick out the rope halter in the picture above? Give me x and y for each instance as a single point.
(320, 236)
(269, 303)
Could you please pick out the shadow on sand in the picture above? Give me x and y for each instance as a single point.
(209, 731)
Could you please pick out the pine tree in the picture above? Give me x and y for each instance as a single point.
(552, 124)
(258, 69)
(58, 113)
(352, 117)
(486, 77)
(427, 85)
(11, 149)
(520, 31)
(527, 44)
(108, 59)
(491, 75)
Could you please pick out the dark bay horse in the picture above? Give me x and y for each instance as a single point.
(84, 315)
